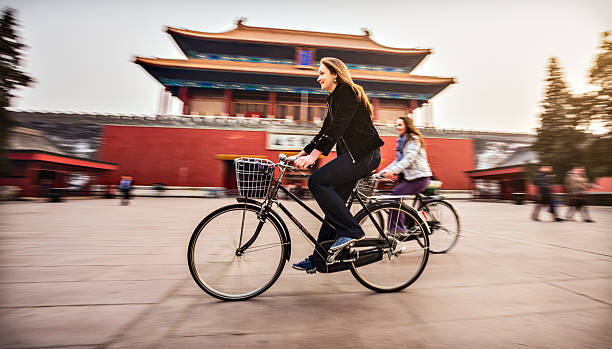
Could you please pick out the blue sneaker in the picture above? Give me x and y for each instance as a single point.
(306, 264)
(344, 241)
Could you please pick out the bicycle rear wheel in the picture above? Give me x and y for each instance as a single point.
(444, 225)
(229, 260)
(403, 262)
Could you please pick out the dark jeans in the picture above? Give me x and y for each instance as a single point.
(580, 205)
(404, 187)
(544, 201)
(332, 184)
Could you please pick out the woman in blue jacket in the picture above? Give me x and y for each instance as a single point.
(348, 125)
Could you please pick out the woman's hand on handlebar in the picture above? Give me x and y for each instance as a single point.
(389, 175)
(304, 161)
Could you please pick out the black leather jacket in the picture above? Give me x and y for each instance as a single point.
(347, 121)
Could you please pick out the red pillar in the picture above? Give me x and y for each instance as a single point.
(30, 182)
(227, 100)
(272, 104)
(375, 106)
(184, 97)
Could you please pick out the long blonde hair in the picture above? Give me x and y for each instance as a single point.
(412, 130)
(338, 67)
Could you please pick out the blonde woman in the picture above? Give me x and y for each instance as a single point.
(348, 125)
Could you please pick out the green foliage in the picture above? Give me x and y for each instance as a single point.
(599, 148)
(566, 137)
(11, 75)
(559, 140)
(601, 77)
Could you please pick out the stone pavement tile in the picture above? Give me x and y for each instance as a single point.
(337, 338)
(588, 267)
(83, 293)
(300, 283)
(153, 325)
(145, 272)
(581, 328)
(439, 276)
(599, 289)
(52, 248)
(446, 271)
(450, 304)
(91, 259)
(52, 274)
(63, 326)
(40, 261)
(128, 259)
(305, 313)
(285, 285)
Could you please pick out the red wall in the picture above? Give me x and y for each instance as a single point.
(186, 157)
(448, 159)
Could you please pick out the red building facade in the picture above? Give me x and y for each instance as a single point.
(196, 157)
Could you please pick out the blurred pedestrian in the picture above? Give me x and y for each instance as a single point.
(125, 186)
(576, 184)
(543, 180)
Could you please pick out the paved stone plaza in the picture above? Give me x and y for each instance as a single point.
(93, 274)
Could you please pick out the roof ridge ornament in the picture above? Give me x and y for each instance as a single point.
(366, 32)
(240, 21)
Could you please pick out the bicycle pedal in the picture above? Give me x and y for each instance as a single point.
(332, 255)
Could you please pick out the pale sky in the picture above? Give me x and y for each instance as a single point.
(81, 51)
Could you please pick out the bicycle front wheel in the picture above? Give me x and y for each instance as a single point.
(233, 255)
(404, 260)
(444, 225)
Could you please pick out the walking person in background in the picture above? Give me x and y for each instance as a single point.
(410, 167)
(543, 180)
(125, 186)
(348, 125)
(576, 184)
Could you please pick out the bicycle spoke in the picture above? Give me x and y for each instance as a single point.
(258, 248)
(400, 266)
(216, 262)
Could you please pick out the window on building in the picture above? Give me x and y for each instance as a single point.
(304, 56)
(296, 112)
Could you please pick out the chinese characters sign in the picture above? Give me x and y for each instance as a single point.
(280, 141)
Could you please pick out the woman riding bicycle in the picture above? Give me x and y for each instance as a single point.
(348, 125)
(410, 167)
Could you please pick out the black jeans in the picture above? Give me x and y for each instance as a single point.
(331, 186)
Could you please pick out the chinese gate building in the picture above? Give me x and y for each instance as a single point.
(264, 72)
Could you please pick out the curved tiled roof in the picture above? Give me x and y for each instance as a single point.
(245, 33)
(279, 69)
(21, 138)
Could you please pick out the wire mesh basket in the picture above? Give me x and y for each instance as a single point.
(253, 176)
(366, 187)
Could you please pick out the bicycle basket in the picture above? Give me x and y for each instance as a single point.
(253, 176)
(366, 186)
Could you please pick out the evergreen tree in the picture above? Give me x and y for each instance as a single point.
(599, 150)
(559, 141)
(11, 75)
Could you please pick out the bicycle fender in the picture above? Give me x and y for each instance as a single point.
(278, 219)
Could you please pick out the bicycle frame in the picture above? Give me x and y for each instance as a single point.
(266, 206)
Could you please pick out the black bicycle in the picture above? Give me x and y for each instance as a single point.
(238, 251)
(442, 218)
